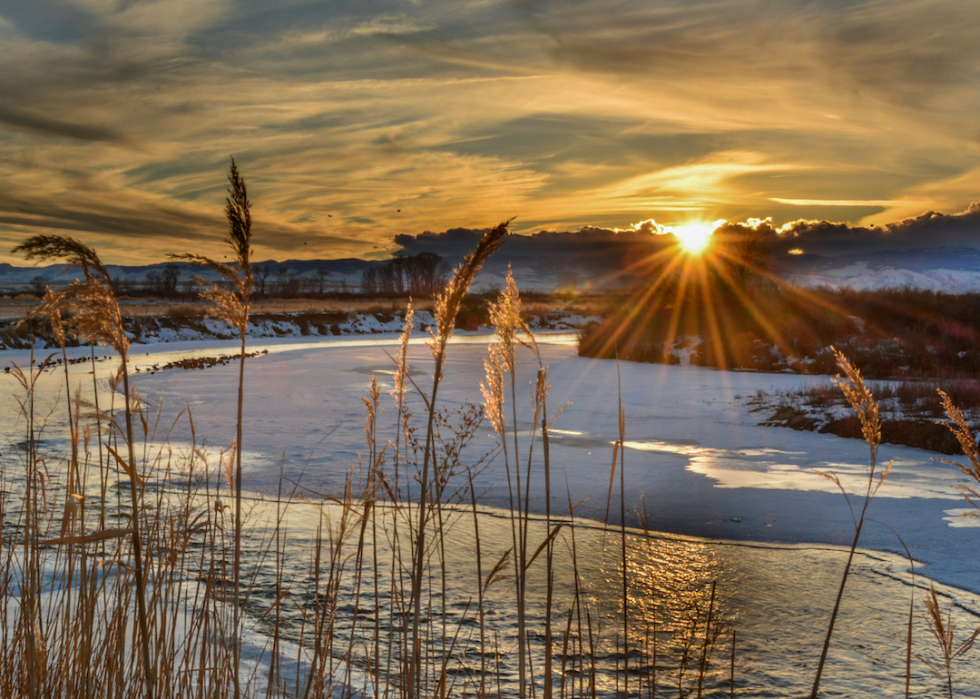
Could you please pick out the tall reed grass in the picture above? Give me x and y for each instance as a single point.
(136, 565)
(360, 603)
(231, 304)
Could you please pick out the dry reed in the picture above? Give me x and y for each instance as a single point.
(865, 407)
(364, 603)
(232, 305)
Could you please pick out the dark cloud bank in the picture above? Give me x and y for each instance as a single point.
(929, 241)
(929, 230)
(809, 252)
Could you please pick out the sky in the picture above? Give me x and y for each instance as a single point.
(355, 122)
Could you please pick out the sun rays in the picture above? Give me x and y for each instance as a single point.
(716, 283)
(694, 237)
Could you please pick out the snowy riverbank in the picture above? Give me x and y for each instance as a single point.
(695, 453)
(190, 325)
(728, 500)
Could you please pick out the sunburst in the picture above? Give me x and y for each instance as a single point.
(694, 237)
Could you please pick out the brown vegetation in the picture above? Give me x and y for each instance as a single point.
(911, 411)
(890, 333)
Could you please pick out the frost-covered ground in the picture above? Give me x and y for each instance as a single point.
(695, 455)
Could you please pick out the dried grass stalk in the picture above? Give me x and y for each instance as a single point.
(944, 631)
(968, 443)
(861, 400)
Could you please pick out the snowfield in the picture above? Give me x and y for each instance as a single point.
(696, 461)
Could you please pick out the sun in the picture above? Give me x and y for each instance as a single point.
(694, 237)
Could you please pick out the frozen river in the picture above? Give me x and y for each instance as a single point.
(730, 501)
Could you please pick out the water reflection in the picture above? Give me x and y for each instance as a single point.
(321, 570)
(777, 598)
(669, 605)
(679, 593)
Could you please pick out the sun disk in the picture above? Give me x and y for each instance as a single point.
(693, 237)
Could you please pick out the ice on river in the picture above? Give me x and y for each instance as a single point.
(696, 460)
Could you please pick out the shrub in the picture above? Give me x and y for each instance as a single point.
(185, 310)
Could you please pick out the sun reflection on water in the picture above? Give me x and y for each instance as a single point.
(777, 597)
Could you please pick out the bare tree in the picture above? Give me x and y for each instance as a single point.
(39, 286)
(321, 275)
(287, 283)
(153, 281)
(262, 272)
(424, 274)
(428, 273)
(369, 281)
(169, 278)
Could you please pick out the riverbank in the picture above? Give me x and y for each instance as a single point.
(189, 324)
(695, 451)
(732, 501)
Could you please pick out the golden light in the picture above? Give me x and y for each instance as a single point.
(694, 237)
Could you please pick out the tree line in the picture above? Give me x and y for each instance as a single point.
(423, 274)
(420, 275)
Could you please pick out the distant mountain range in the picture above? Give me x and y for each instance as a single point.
(954, 269)
(335, 272)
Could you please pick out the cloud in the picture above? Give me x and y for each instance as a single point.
(55, 127)
(354, 122)
(704, 181)
(930, 229)
(840, 202)
(618, 249)
(895, 50)
(390, 24)
(140, 230)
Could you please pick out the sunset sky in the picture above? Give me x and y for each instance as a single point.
(353, 122)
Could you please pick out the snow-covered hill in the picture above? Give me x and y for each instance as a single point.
(954, 269)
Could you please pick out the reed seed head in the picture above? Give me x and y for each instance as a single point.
(228, 466)
(505, 315)
(45, 248)
(449, 301)
(493, 388)
(238, 213)
(54, 317)
(958, 425)
(231, 305)
(859, 397)
(542, 388)
(92, 312)
(401, 367)
(91, 303)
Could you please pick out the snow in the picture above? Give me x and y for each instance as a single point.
(298, 325)
(696, 460)
(861, 276)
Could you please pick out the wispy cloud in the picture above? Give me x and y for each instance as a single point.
(565, 114)
(844, 202)
(47, 126)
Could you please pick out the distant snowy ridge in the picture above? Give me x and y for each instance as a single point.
(952, 269)
(332, 272)
(861, 276)
(329, 275)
